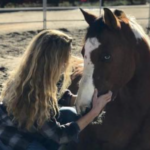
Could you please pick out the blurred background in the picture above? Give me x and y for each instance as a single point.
(42, 14)
(38, 3)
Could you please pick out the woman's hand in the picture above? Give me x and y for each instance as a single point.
(68, 99)
(98, 105)
(100, 102)
(73, 99)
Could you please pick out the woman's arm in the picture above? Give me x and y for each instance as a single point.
(60, 133)
(68, 99)
(68, 132)
(73, 99)
(98, 105)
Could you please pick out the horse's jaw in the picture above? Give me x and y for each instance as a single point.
(85, 94)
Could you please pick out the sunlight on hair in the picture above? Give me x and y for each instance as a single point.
(30, 92)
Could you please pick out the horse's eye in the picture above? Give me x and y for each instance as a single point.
(105, 57)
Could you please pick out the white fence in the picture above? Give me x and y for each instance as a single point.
(45, 9)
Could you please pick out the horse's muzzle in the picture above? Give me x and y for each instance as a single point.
(102, 93)
(114, 94)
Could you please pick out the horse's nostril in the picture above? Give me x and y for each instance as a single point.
(102, 92)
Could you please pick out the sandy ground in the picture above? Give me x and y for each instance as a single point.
(13, 45)
(15, 37)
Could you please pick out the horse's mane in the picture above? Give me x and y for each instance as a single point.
(138, 30)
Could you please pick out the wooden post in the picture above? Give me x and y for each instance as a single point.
(100, 7)
(148, 28)
(44, 14)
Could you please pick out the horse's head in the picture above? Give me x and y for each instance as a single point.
(109, 53)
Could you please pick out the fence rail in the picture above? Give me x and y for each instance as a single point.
(45, 9)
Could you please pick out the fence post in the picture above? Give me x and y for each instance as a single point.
(100, 7)
(148, 28)
(44, 13)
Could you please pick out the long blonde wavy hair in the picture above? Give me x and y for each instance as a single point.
(30, 92)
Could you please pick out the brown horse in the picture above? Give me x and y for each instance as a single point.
(117, 58)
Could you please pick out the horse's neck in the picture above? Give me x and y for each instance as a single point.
(142, 72)
(143, 51)
(138, 89)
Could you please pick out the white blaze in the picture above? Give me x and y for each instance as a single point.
(86, 88)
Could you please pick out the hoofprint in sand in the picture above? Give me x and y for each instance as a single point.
(13, 45)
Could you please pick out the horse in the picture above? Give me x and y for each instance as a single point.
(116, 56)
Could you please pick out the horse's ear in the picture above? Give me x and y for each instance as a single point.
(110, 19)
(90, 18)
(121, 15)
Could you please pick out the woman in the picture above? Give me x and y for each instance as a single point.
(29, 110)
